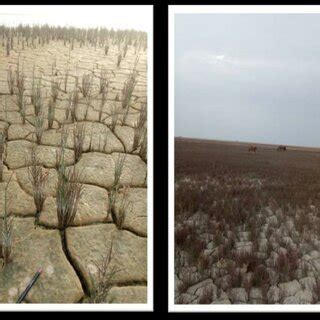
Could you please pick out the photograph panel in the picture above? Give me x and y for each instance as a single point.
(76, 157)
(245, 150)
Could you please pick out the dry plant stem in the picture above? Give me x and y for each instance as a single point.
(112, 201)
(7, 228)
(128, 88)
(125, 205)
(11, 80)
(75, 101)
(143, 151)
(118, 169)
(69, 190)
(55, 87)
(20, 86)
(105, 275)
(37, 97)
(114, 118)
(106, 49)
(51, 113)
(60, 153)
(103, 101)
(85, 88)
(39, 127)
(125, 115)
(119, 60)
(78, 140)
(38, 177)
(2, 146)
(104, 83)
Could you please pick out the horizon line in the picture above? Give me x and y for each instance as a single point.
(247, 142)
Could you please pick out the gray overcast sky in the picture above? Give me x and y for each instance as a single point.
(248, 77)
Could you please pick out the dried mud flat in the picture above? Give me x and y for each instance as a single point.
(69, 264)
(246, 225)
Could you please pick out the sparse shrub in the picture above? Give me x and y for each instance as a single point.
(103, 101)
(69, 190)
(260, 276)
(106, 50)
(128, 88)
(37, 97)
(7, 228)
(118, 169)
(2, 146)
(105, 275)
(60, 153)
(143, 151)
(38, 177)
(124, 207)
(11, 80)
(8, 47)
(206, 297)
(114, 118)
(39, 126)
(86, 86)
(104, 83)
(51, 113)
(181, 236)
(55, 87)
(78, 140)
(66, 76)
(20, 84)
(119, 60)
(73, 104)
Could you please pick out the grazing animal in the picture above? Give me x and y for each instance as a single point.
(252, 149)
(282, 148)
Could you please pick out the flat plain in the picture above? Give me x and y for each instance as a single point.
(246, 224)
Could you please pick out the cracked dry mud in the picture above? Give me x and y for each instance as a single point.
(67, 273)
(246, 225)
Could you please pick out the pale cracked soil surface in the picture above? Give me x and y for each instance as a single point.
(68, 272)
(246, 225)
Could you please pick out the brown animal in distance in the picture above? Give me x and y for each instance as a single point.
(282, 148)
(252, 149)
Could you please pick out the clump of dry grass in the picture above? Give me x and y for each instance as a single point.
(143, 151)
(66, 76)
(114, 118)
(125, 50)
(2, 146)
(119, 60)
(69, 190)
(7, 230)
(104, 83)
(39, 126)
(11, 80)
(37, 97)
(60, 153)
(105, 276)
(73, 104)
(106, 49)
(86, 86)
(78, 140)
(103, 101)
(51, 113)
(68, 195)
(38, 177)
(124, 207)
(55, 87)
(20, 81)
(128, 88)
(137, 135)
(118, 169)
(139, 129)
